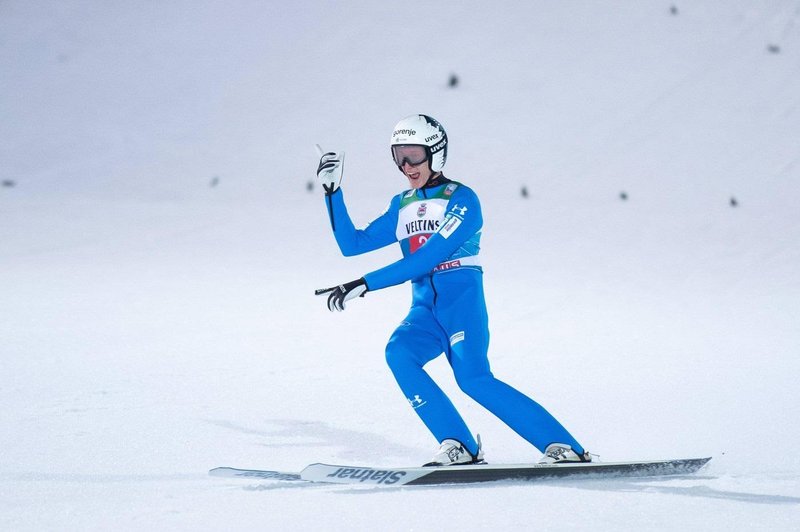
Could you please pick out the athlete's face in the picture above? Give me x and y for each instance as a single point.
(418, 174)
(412, 160)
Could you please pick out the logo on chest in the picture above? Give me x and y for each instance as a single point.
(420, 220)
(425, 224)
(429, 226)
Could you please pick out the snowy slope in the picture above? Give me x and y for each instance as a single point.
(159, 250)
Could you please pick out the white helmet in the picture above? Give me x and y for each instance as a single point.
(422, 130)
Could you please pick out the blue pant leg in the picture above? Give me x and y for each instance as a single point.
(418, 340)
(469, 337)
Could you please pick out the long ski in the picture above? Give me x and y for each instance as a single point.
(416, 476)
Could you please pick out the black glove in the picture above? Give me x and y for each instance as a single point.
(329, 171)
(339, 295)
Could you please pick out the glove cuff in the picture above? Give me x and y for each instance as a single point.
(353, 284)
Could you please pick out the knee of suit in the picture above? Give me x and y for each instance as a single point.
(398, 355)
(474, 385)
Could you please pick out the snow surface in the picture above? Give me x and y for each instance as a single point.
(154, 326)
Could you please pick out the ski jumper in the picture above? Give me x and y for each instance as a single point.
(439, 230)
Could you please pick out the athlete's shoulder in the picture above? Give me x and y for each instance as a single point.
(463, 191)
(453, 185)
(406, 194)
(394, 203)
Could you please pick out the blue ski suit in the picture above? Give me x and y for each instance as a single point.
(439, 230)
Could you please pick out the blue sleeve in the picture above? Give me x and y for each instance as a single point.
(379, 233)
(463, 220)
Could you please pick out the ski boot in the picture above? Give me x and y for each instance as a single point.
(559, 453)
(453, 452)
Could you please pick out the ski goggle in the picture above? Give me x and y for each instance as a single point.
(411, 154)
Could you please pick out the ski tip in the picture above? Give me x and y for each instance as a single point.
(252, 474)
(220, 471)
